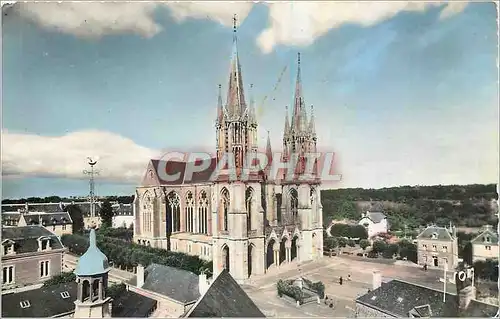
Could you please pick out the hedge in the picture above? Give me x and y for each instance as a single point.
(317, 287)
(64, 277)
(128, 255)
(287, 288)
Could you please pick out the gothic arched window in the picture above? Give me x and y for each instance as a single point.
(189, 215)
(294, 203)
(203, 213)
(225, 209)
(248, 205)
(174, 207)
(147, 212)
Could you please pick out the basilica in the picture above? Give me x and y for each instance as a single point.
(246, 226)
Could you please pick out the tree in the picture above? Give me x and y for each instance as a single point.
(379, 246)
(106, 214)
(358, 231)
(76, 215)
(342, 242)
(364, 243)
(331, 243)
(351, 243)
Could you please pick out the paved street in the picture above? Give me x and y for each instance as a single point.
(263, 289)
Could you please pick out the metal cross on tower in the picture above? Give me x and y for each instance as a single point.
(92, 172)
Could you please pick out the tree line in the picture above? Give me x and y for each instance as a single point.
(57, 199)
(411, 207)
(128, 255)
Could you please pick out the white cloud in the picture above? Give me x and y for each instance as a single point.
(292, 23)
(221, 12)
(96, 19)
(300, 23)
(120, 159)
(93, 19)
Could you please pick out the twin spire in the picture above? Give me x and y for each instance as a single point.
(299, 124)
(236, 108)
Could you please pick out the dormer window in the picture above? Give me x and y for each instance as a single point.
(25, 304)
(43, 243)
(8, 247)
(487, 239)
(374, 297)
(434, 236)
(65, 295)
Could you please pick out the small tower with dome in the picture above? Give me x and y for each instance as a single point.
(92, 279)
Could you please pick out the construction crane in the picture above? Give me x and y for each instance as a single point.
(260, 107)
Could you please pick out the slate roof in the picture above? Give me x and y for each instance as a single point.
(35, 207)
(48, 302)
(47, 219)
(26, 238)
(123, 209)
(441, 232)
(481, 238)
(397, 298)
(376, 217)
(178, 284)
(225, 298)
(174, 167)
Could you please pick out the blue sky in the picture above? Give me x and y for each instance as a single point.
(405, 94)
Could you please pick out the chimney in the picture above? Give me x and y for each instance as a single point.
(140, 276)
(465, 296)
(203, 283)
(377, 280)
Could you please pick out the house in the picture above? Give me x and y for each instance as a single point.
(437, 247)
(398, 298)
(485, 245)
(52, 216)
(123, 215)
(180, 293)
(86, 297)
(375, 223)
(30, 255)
(58, 223)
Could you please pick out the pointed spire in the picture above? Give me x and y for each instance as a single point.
(251, 111)
(220, 107)
(298, 100)
(287, 122)
(312, 125)
(235, 95)
(269, 151)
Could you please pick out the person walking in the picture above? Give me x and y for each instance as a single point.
(340, 281)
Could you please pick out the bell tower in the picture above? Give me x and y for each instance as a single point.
(92, 279)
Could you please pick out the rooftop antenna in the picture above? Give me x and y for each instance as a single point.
(92, 172)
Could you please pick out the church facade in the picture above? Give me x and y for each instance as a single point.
(247, 226)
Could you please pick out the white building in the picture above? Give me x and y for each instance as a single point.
(124, 215)
(374, 222)
(245, 226)
(485, 245)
